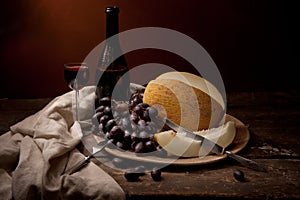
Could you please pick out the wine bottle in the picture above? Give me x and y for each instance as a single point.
(112, 67)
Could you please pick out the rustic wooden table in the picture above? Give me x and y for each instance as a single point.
(274, 123)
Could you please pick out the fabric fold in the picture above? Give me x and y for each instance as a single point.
(36, 151)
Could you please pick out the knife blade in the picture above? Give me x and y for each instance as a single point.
(215, 148)
(86, 160)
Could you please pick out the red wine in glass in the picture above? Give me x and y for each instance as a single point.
(77, 76)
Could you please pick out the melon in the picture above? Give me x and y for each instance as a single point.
(187, 99)
(180, 145)
(222, 135)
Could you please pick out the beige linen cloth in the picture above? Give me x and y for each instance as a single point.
(36, 151)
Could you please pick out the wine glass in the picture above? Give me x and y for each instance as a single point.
(77, 76)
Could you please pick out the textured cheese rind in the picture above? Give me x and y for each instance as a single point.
(196, 82)
(188, 106)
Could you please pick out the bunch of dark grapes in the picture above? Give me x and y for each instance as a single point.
(131, 126)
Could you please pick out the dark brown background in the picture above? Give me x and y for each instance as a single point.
(250, 40)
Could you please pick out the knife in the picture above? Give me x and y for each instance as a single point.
(86, 160)
(215, 148)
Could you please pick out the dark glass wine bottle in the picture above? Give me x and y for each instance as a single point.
(112, 64)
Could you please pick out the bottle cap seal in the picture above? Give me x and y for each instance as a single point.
(112, 10)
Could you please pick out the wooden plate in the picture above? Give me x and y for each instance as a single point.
(240, 141)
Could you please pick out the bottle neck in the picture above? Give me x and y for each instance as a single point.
(112, 22)
(112, 52)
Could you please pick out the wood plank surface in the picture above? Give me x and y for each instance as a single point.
(273, 119)
(15, 110)
(217, 181)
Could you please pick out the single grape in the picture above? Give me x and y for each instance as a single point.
(142, 123)
(110, 123)
(239, 175)
(152, 139)
(103, 120)
(134, 136)
(133, 144)
(120, 145)
(100, 109)
(96, 117)
(125, 123)
(150, 146)
(131, 105)
(152, 112)
(108, 135)
(117, 133)
(144, 136)
(136, 95)
(156, 174)
(107, 111)
(143, 105)
(139, 147)
(135, 101)
(131, 175)
(105, 101)
(138, 109)
(151, 127)
(146, 116)
(127, 136)
(134, 117)
(101, 128)
(134, 127)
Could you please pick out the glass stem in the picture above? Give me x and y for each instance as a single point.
(76, 100)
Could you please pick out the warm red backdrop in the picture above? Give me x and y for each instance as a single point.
(249, 40)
